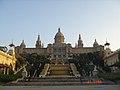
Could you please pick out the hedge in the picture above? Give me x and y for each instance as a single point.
(8, 78)
(110, 76)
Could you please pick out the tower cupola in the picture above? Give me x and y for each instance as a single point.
(80, 42)
(107, 44)
(38, 42)
(11, 50)
(22, 45)
(107, 49)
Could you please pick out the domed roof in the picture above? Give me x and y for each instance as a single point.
(59, 37)
(59, 34)
(95, 43)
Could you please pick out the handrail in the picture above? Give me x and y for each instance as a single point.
(74, 70)
(20, 69)
(44, 71)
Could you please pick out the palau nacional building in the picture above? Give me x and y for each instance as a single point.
(59, 51)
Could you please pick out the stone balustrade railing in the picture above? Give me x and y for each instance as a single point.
(74, 70)
(45, 70)
(21, 68)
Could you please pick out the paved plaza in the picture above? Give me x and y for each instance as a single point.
(84, 87)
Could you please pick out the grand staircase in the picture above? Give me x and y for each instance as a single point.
(59, 70)
(48, 81)
(57, 75)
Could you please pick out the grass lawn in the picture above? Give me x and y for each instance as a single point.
(114, 77)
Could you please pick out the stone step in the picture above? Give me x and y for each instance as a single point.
(55, 80)
(59, 65)
(57, 77)
(54, 73)
(59, 68)
(45, 83)
(49, 81)
(59, 72)
(58, 81)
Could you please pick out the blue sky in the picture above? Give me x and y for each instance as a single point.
(25, 19)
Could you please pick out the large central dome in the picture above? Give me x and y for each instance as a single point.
(59, 37)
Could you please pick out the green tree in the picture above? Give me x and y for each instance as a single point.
(35, 62)
(119, 56)
(119, 60)
(20, 61)
(83, 62)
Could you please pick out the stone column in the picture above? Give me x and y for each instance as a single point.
(4, 70)
(62, 60)
(7, 71)
(50, 60)
(56, 60)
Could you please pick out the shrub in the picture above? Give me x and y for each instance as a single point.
(8, 78)
(110, 76)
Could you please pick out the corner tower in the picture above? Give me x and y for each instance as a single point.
(95, 44)
(80, 42)
(11, 50)
(22, 45)
(38, 42)
(107, 49)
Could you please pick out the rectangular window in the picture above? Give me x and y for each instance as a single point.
(59, 56)
(54, 56)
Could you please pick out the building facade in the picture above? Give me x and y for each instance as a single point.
(112, 59)
(7, 60)
(59, 52)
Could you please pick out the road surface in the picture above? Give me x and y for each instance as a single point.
(82, 87)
